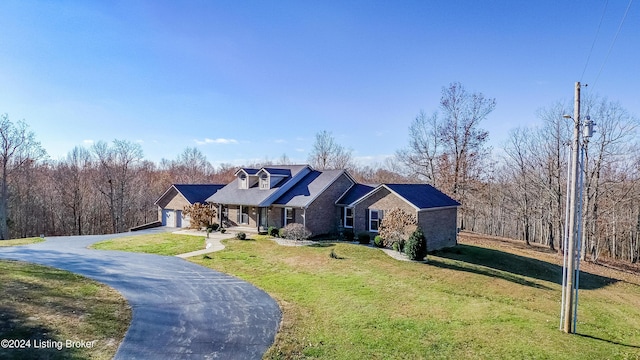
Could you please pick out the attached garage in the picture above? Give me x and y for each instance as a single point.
(173, 201)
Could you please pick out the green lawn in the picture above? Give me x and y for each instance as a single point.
(475, 303)
(161, 244)
(41, 304)
(25, 241)
(478, 301)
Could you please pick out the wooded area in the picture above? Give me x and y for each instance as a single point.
(518, 191)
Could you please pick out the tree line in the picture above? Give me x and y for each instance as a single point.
(517, 191)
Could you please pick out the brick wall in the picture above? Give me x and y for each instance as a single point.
(439, 227)
(321, 215)
(383, 199)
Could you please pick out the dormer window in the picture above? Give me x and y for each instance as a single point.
(243, 181)
(264, 181)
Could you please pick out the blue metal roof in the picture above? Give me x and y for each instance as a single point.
(423, 196)
(197, 193)
(355, 193)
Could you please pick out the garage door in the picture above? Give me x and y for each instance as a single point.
(168, 218)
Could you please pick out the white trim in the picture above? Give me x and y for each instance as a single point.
(378, 220)
(344, 218)
(439, 208)
(388, 189)
(293, 214)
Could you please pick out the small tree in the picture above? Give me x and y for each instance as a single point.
(201, 215)
(416, 246)
(396, 226)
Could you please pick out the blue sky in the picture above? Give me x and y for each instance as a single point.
(252, 80)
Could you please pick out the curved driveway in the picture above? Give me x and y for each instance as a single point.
(180, 310)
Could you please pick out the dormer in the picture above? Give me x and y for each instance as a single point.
(271, 177)
(246, 178)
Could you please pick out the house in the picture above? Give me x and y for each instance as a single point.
(328, 201)
(173, 201)
(362, 209)
(280, 195)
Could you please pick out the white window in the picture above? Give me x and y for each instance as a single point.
(243, 181)
(264, 181)
(348, 217)
(375, 216)
(288, 216)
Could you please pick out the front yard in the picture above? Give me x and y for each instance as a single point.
(481, 300)
(45, 307)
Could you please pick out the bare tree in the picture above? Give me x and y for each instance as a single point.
(448, 149)
(118, 165)
(18, 148)
(328, 154)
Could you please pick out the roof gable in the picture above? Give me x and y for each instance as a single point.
(420, 196)
(309, 188)
(193, 193)
(355, 193)
(254, 196)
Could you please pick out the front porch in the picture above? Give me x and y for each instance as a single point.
(255, 219)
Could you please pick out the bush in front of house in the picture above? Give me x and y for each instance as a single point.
(349, 235)
(364, 238)
(398, 245)
(378, 241)
(416, 246)
(241, 236)
(295, 231)
(213, 227)
(273, 231)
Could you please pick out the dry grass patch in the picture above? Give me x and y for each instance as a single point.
(42, 305)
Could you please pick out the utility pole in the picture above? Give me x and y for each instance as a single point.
(568, 311)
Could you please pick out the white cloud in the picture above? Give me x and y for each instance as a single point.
(279, 141)
(216, 141)
(300, 150)
(88, 142)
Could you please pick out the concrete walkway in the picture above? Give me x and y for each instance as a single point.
(180, 310)
(213, 242)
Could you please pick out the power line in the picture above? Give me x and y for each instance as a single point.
(612, 43)
(594, 40)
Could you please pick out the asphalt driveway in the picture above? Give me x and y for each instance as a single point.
(180, 310)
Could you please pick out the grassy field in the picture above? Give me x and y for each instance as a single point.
(485, 299)
(161, 244)
(43, 305)
(481, 301)
(25, 241)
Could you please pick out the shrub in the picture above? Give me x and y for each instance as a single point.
(416, 247)
(274, 231)
(296, 231)
(223, 230)
(364, 238)
(398, 245)
(349, 235)
(213, 227)
(241, 236)
(378, 241)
